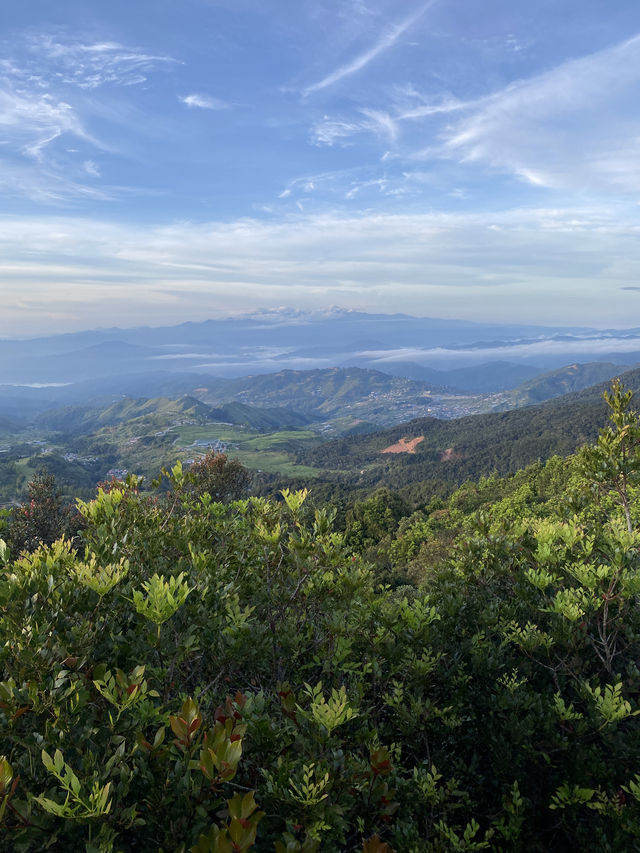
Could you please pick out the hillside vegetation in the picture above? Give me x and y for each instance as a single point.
(556, 383)
(84, 444)
(453, 451)
(183, 674)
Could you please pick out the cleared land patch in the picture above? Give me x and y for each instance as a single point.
(404, 445)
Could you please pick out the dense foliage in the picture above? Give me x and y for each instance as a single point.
(186, 674)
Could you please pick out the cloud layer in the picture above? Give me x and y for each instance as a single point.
(548, 266)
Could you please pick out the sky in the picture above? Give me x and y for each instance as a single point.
(171, 160)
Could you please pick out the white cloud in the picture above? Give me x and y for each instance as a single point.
(31, 164)
(31, 121)
(347, 184)
(425, 110)
(573, 127)
(44, 186)
(545, 266)
(41, 108)
(332, 131)
(92, 65)
(36, 113)
(386, 41)
(382, 123)
(204, 102)
(604, 345)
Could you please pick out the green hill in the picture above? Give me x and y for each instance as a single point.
(156, 412)
(556, 383)
(485, 378)
(184, 674)
(352, 396)
(263, 419)
(325, 393)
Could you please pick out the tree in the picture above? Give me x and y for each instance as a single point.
(222, 478)
(43, 518)
(613, 463)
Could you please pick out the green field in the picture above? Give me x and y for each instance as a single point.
(274, 439)
(258, 451)
(274, 463)
(186, 435)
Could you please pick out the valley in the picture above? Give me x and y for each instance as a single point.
(90, 406)
(336, 426)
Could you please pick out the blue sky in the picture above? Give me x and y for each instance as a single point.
(165, 160)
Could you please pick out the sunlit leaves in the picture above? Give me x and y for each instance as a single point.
(311, 788)
(161, 598)
(331, 712)
(222, 750)
(101, 579)
(82, 801)
(121, 690)
(610, 703)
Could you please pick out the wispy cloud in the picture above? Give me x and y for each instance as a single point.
(368, 184)
(44, 186)
(92, 65)
(337, 131)
(386, 41)
(32, 162)
(91, 168)
(332, 131)
(44, 117)
(575, 126)
(426, 110)
(33, 120)
(381, 184)
(409, 107)
(348, 184)
(204, 102)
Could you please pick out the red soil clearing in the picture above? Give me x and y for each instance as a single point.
(405, 445)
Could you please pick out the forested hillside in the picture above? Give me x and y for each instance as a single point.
(466, 448)
(184, 674)
(556, 383)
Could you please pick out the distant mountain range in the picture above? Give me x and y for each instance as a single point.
(360, 399)
(471, 357)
